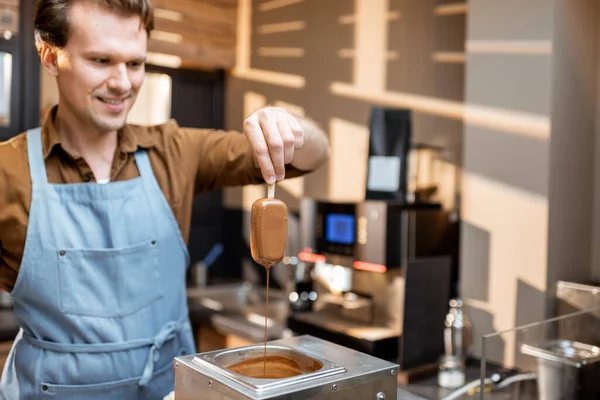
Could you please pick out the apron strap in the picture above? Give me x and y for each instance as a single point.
(167, 333)
(147, 174)
(144, 166)
(35, 153)
(86, 347)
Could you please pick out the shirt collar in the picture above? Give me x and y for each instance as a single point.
(130, 136)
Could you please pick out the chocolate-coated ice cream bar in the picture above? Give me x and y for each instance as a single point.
(268, 230)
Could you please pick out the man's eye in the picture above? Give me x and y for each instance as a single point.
(136, 64)
(101, 60)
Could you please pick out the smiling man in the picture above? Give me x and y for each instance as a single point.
(95, 213)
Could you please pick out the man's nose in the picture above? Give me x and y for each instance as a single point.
(119, 79)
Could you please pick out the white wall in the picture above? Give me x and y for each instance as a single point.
(506, 172)
(530, 201)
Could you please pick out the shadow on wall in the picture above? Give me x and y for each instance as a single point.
(475, 284)
(516, 160)
(494, 347)
(529, 300)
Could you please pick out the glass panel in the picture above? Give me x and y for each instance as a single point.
(553, 359)
(153, 103)
(5, 87)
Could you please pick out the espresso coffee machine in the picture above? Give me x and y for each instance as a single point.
(372, 276)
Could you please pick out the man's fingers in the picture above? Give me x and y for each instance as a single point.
(268, 124)
(273, 134)
(287, 136)
(256, 137)
(297, 130)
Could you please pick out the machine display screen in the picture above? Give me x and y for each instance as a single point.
(339, 228)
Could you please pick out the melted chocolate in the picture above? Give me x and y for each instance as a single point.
(271, 367)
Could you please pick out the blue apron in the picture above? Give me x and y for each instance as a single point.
(100, 296)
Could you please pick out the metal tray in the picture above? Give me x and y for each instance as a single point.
(218, 361)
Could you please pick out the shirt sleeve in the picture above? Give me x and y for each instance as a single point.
(220, 159)
(8, 275)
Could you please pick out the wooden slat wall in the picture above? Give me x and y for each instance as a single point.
(207, 29)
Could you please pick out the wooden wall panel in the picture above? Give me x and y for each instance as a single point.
(201, 32)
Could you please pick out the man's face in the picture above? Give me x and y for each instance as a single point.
(100, 70)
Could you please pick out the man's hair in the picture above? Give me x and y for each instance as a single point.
(51, 20)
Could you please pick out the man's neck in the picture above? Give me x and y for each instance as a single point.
(83, 141)
(96, 147)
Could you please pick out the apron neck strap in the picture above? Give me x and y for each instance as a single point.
(143, 164)
(35, 153)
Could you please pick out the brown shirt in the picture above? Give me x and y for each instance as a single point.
(185, 161)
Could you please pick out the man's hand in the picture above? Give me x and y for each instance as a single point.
(274, 135)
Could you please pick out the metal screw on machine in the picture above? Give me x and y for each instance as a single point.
(334, 387)
(209, 383)
(393, 372)
(380, 396)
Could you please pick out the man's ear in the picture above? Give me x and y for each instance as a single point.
(48, 57)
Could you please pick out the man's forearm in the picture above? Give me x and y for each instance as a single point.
(315, 151)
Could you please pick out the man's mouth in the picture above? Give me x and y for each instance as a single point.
(112, 101)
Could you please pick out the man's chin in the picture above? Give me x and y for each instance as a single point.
(111, 124)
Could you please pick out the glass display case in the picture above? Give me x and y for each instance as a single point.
(554, 359)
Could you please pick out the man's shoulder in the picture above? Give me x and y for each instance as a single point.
(13, 156)
(143, 132)
(19, 139)
(14, 169)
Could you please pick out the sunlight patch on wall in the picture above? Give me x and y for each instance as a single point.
(451, 9)
(348, 160)
(515, 122)
(371, 45)
(281, 27)
(449, 57)
(243, 69)
(285, 52)
(274, 4)
(531, 47)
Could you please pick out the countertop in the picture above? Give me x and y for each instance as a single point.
(229, 318)
(426, 389)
